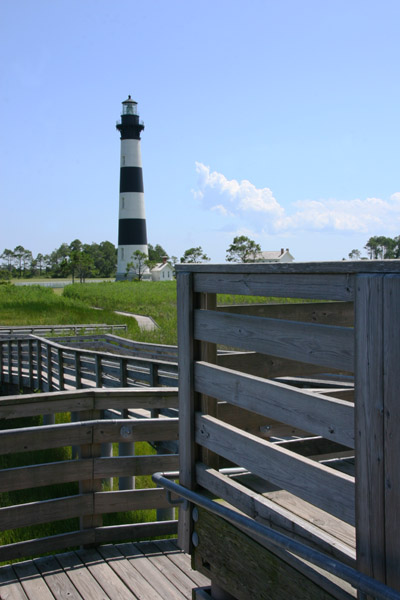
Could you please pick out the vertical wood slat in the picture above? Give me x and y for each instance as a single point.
(369, 432)
(30, 364)
(49, 369)
(90, 485)
(123, 374)
(19, 364)
(61, 385)
(98, 372)
(39, 381)
(391, 333)
(9, 351)
(186, 400)
(78, 373)
(1, 361)
(209, 405)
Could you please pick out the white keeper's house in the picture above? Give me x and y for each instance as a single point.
(279, 256)
(162, 271)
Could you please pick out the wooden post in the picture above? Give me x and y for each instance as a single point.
(98, 372)
(391, 333)
(90, 486)
(30, 365)
(61, 385)
(188, 400)
(126, 449)
(1, 361)
(39, 380)
(208, 353)
(377, 426)
(9, 349)
(49, 368)
(19, 364)
(122, 370)
(78, 374)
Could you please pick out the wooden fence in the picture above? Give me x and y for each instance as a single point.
(233, 415)
(59, 329)
(90, 500)
(38, 363)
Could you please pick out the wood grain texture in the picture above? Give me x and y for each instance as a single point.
(46, 511)
(300, 268)
(323, 345)
(136, 430)
(316, 413)
(111, 502)
(46, 436)
(325, 313)
(134, 465)
(391, 352)
(21, 478)
(46, 544)
(315, 483)
(369, 430)
(307, 286)
(270, 578)
(277, 516)
(186, 399)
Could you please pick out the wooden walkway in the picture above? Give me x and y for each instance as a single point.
(144, 570)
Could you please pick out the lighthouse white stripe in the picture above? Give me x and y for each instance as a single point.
(130, 153)
(131, 206)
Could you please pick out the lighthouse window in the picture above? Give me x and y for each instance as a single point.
(122, 254)
(122, 202)
(123, 161)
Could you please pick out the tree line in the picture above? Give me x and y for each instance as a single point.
(378, 247)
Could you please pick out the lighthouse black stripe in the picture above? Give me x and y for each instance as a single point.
(131, 180)
(132, 232)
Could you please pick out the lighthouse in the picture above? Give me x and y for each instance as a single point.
(132, 235)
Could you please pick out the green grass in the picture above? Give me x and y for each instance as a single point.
(37, 305)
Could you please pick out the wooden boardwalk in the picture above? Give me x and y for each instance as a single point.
(144, 570)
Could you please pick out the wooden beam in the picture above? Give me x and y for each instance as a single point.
(293, 285)
(316, 413)
(323, 345)
(330, 490)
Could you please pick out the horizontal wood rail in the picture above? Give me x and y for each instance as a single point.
(83, 440)
(58, 329)
(42, 364)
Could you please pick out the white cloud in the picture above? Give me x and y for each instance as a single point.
(258, 209)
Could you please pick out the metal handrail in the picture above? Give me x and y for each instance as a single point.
(365, 584)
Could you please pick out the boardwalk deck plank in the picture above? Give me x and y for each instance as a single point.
(10, 587)
(168, 569)
(58, 582)
(32, 581)
(170, 548)
(105, 576)
(81, 577)
(137, 578)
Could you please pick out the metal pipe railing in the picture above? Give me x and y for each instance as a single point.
(365, 584)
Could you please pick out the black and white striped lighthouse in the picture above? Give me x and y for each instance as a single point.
(132, 233)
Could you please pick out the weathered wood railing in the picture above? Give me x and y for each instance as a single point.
(39, 363)
(60, 329)
(292, 484)
(90, 500)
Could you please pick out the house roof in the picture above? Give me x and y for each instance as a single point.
(161, 266)
(274, 254)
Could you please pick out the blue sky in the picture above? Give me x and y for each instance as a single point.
(276, 119)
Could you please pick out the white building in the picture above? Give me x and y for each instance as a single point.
(162, 271)
(280, 256)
